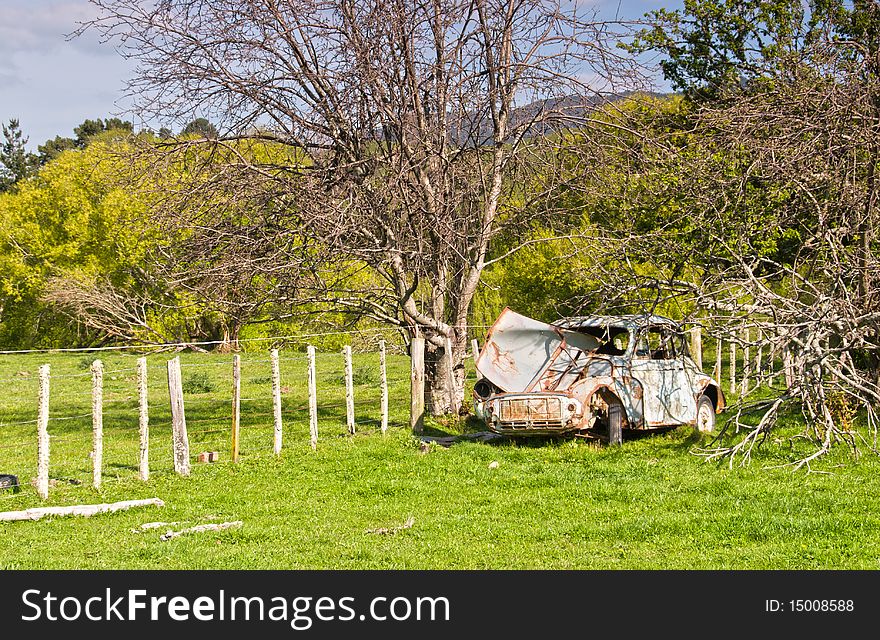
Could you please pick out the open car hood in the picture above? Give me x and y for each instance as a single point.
(522, 354)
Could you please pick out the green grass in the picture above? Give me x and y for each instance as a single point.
(549, 504)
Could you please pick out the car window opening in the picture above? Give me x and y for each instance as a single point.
(613, 341)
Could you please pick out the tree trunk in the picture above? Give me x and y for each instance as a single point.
(437, 378)
(229, 343)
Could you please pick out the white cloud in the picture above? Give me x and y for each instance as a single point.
(52, 83)
(43, 26)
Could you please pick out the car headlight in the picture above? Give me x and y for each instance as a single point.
(570, 408)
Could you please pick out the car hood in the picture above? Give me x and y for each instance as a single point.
(519, 351)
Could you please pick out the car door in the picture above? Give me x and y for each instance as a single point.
(658, 365)
(682, 405)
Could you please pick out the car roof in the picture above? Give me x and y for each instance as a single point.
(632, 321)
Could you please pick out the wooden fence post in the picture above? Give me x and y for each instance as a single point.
(475, 349)
(716, 370)
(97, 421)
(732, 365)
(276, 400)
(236, 404)
(697, 346)
(759, 356)
(787, 367)
(450, 369)
(771, 363)
(143, 421)
(178, 418)
(383, 374)
(746, 364)
(417, 385)
(349, 391)
(43, 435)
(313, 399)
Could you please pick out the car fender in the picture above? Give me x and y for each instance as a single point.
(626, 389)
(705, 385)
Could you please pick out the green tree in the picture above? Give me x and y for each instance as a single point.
(85, 133)
(712, 47)
(15, 162)
(201, 127)
(77, 243)
(53, 147)
(71, 217)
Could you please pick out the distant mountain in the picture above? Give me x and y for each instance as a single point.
(560, 113)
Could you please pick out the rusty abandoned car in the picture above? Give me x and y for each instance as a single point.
(596, 375)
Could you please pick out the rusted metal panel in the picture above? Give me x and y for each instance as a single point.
(517, 350)
(544, 409)
(671, 400)
(522, 354)
(552, 412)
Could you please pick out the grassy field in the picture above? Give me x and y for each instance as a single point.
(548, 504)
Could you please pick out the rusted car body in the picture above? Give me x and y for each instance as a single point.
(600, 374)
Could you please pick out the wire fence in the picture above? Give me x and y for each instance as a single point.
(274, 411)
(366, 338)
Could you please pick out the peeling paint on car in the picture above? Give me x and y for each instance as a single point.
(543, 379)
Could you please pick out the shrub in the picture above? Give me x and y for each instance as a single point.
(365, 375)
(198, 382)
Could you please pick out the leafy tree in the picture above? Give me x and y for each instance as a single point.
(714, 46)
(85, 132)
(77, 242)
(53, 147)
(201, 127)
(15, 162)
(71, 217)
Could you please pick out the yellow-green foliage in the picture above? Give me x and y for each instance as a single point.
(72, 218)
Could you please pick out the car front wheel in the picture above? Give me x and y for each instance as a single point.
(615, 422)
(705, 415)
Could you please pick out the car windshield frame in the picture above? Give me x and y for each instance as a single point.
(606, 333)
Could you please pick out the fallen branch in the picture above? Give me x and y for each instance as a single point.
(85, 510)
(200, 529)
(153, 525)
(383, 531)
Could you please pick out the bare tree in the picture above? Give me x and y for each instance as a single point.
(398, 138)
(759, 208)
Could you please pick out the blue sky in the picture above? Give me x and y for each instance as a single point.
(51, 84)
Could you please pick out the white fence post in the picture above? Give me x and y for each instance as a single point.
(697, 346)
(417, 385)
(97, 421)
(43, 435)
(178, 418)
(732, 365)
(450, 368)
(276, 400)
(349, 391)
(143, 421)
(313, 399)
(236, 405)
(759, 355)
(787, 367)
(383, 374)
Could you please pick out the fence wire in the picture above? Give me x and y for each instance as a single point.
(70, 414)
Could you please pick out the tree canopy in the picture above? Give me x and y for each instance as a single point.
(405, 128)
